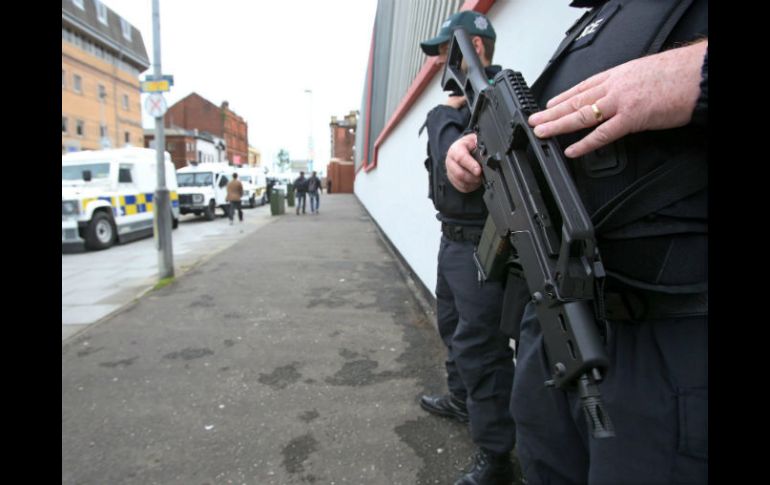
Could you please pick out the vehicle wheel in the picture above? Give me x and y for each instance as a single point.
(264, 198)
(101, 232)
(209, 213)
(174, 223)
(253, 202)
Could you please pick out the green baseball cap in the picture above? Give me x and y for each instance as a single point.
(473, 22)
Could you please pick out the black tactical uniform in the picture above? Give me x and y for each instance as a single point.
(647, 194)
(479, 357)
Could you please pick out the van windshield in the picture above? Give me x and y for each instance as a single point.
(201, 179)
(75, 172)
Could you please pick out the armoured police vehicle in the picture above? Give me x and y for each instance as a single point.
(254, 186)
(203, 188)
(107, 195)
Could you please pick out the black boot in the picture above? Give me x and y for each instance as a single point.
(448, 406)
(489, 469)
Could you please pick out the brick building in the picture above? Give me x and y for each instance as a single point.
(343, 136)
(189, 146)
(342, 175)
(195, 112)
(102, 56)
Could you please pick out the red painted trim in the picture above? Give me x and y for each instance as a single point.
(421, 81)
(365, 158)
(482, 6)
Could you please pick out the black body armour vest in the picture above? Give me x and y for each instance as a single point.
(445, 125)
(660, 244)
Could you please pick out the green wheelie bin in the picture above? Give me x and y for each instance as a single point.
(277, 202)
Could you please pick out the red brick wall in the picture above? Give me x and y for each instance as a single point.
(341, 175)
(195, 112)
(236, 137)
(177, 147)
(344, 141)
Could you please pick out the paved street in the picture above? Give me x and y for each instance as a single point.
(309, 373)
(97, 283)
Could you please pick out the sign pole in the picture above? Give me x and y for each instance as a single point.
(162, 200)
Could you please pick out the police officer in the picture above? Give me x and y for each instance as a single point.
(479, 360)
(627, 95)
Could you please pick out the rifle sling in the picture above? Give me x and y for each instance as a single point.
(659, 188)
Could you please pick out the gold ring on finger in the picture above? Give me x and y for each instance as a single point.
(597, 112)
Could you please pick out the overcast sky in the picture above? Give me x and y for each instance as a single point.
(261, 56)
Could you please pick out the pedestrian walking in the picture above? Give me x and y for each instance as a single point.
(300, 188)
(313, 190)
(234, 194)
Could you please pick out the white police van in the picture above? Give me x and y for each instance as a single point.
(254, 186)
(203, 188)
(107, 195)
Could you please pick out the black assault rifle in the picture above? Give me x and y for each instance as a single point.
(533, 203)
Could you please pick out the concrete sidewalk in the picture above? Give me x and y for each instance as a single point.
(311, 376)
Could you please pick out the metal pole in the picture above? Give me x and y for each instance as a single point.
(310, 137)
(162, 202)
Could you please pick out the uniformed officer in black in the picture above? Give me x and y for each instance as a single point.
(479, 360)
(627, 96)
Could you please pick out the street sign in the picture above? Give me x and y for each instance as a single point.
(165, 77)
(155, 86)
(155, 104)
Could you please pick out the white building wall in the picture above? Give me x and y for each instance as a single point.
(396, 192)
(208, 152)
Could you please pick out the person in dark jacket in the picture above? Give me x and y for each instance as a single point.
(627, 96)
(479, 360)
(313, 189)
(300, 187)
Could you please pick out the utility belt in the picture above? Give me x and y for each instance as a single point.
(636, 305)
(458, 233)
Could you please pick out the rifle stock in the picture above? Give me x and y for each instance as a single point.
(533, 202)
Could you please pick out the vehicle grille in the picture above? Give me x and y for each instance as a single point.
(186, 199)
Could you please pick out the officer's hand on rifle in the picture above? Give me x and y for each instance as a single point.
(463, 171)
(650, 93)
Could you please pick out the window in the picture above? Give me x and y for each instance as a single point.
(102, 131)
(125, 102)
(75, 172)
(79, 4)
(64, 124)
(124, 174)
(77, 83)
(80, 128)
(126, 28)
(127, 137)
(102, 92)
(101, 12)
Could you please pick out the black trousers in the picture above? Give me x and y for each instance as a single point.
(479, 361)
(231, 208)
(655, 392)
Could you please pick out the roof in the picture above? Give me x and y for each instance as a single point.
(177, 131)
(123, 154)
(87, 22)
